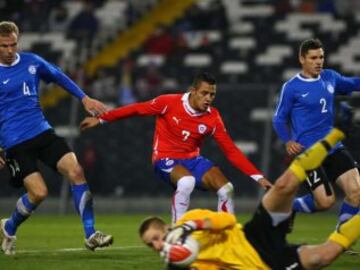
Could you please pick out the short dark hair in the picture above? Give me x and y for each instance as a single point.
(7, 27)
(148, 222)
(203, 77)
(309, 44)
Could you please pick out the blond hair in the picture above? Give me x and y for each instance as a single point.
(7, 28)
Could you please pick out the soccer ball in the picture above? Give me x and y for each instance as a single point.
(182, 254)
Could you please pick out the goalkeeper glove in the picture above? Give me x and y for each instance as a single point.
(178, 233)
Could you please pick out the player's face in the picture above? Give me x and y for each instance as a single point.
(202, 96)
(154, 238)
(312, 63)
(8, 48)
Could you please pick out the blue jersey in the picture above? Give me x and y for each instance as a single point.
(305, 110)
(21, 117)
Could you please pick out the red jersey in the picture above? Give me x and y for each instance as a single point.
(180, 130)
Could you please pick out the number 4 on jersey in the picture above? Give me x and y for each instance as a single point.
(26, 89)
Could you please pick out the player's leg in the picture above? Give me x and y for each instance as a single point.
(280, 197)
(178, 173)
(215, 180)
(69, 166)
(318, 256)
(21, 160)
(342, 169)
(184, 182)
(26, 204)
(350, 184)
(58, 156)
(36, 193)
(321, 197)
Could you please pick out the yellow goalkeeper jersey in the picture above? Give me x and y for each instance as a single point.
(224, 246)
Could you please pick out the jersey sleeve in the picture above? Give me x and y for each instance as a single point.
(346, 85)
(156, 106)
(218, 220)
(282, 113)
(51, 73)
(233, 153)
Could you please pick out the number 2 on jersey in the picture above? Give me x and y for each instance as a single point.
(323, 103)
(26, 89)
(186, 134)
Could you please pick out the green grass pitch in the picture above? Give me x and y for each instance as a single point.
(56, 242)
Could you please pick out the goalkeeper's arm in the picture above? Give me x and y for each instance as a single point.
(181, 231)
(208, 220)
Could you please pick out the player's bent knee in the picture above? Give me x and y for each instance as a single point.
(325, 203)
(186, 184)
(228, 189)
(76, 174)
(284, 186)
(354, 198)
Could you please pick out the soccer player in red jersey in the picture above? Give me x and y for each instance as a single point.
(182, 123)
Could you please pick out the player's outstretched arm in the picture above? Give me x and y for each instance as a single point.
(89, 122)
(93, 106)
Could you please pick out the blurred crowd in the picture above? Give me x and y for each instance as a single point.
(127, 82)
(337, 7)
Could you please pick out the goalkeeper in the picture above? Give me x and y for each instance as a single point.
(260, 243)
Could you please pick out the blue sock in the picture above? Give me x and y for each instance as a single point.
(23, 210)
(346, 212)
(304, 204)
(84, 206)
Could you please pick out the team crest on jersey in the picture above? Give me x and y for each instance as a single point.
(201, 128)
(32, 69)
(330, 89)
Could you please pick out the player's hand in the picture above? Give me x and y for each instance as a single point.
(93, 106)
(294, 148)
(178, 233)
(89, 122)
(264, 183)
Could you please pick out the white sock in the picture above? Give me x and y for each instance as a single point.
(181, 199)
(225, 198)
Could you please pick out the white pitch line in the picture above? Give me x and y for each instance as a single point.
(77, 249)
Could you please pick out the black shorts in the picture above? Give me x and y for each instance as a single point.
(22, 158)
(338, 163)
(333, 166)
(270, 241)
